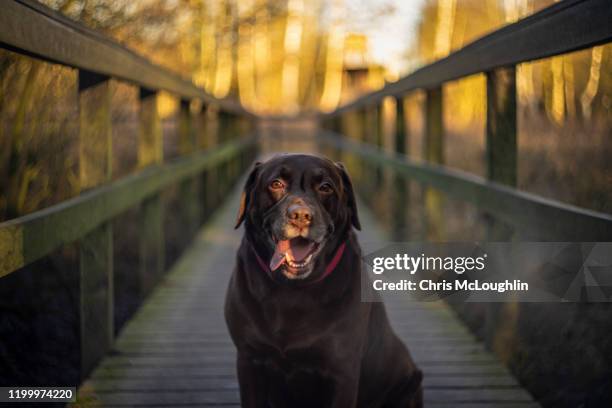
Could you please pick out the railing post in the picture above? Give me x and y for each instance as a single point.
(203, 133)
(151, 226)
(235, 133)
(204, 143)
(96, 248)
(340, 129)
(372, 138)
(212, 138)
(363, 138)
(187, 137)
(373, 129)
(434, 153)
(501, 142)
(501, 148)
(402, 187)
(338, 125)
(351, 129)
(224, 135)
(379, 114)
(501, 161)
(400, 126)
(363, 135)
(188, 189)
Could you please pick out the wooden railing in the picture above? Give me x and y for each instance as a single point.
(28, 28)
(564, 27)
(550, 220)
(533, 339)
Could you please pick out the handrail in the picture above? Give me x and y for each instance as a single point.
(556, 220)
(25, 239)
(31, 28)
(564, 27)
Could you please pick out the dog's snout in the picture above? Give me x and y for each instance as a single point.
(300, 215)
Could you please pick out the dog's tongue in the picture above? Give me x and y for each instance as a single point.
(279, 254)
(297, 248)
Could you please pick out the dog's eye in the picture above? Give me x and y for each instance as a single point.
(326, 188)
(277, 185)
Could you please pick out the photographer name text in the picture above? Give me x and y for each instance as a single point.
(423, 263)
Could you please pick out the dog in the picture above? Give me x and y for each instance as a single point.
(293, 307)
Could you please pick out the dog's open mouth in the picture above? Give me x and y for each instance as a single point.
(295, 255)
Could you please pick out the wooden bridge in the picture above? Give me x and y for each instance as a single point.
(175, 351)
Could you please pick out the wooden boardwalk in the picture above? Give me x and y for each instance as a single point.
(176, 350)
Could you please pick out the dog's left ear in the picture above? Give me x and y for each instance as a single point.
(348, 188)
(246, 194)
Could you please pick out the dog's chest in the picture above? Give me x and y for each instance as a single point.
(294, 327)
(293, 363)
(291, 338)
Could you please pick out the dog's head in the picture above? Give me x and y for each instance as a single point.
(297, 209)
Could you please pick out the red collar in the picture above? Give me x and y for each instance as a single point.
(328, 270)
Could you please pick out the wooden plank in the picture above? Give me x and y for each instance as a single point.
(144, 348)
(171, 333)
(96, 248)
(229, 382)
(223, 396)
(207, 371)
(488, 404)
(170, 398)
(490, 396)
(39, 233)
(469, 382)
(29, 27)
(162, 384)
(206, 357)
(150, 216)
(553, 219)
(203, 395)
(561, 28)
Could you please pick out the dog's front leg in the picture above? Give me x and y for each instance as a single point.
(253, 383)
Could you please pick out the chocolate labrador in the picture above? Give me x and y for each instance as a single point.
(293, 306)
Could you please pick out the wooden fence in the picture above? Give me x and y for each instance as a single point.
(203, 177)
(540, 342)
(564, 27)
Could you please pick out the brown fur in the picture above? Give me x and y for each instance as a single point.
(311, 345)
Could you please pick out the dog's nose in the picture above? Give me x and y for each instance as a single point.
(299, 215)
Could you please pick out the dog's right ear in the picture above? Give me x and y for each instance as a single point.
(245, 198)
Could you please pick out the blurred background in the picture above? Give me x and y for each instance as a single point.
(296, 56)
